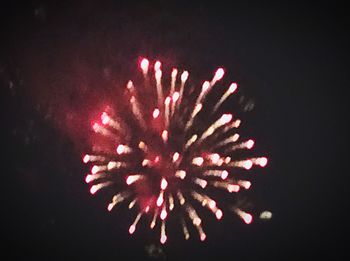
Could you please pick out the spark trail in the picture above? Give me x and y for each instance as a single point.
(164, 159)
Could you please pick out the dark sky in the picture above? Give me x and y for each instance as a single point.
(59, 63)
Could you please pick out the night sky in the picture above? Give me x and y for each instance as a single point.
(60, 62)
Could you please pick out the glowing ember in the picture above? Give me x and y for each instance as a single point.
(170, 150)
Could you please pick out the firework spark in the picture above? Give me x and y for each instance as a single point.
(165, 159)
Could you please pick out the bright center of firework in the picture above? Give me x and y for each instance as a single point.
(161, 155)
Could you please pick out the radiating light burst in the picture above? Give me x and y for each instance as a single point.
(171, 154)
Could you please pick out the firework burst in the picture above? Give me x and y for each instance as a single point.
(171, 153)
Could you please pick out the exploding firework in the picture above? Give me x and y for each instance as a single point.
(171, 154)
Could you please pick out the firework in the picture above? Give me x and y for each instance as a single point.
(169, 152)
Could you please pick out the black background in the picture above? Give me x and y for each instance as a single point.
(59, 64)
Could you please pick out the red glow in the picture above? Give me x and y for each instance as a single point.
(203, 236)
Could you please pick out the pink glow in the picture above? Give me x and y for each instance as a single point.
(156, 159)
(167, 100)
(144, 64)
(94, 169)
(224, 174)
(232, 188)
(203, 236)
(86, 158)
(95, 127)
(176, 96)
(232, 88)
(174, 73)
(176, 156)
(156, 113)
(93, 189)
(120, 149)
(163, 239)
(262, 162)
(247, 218)
(132, 178)
(218, 214)
(247, 164)
(88, 178)
(129, 180)
(132, 229)
(160, 200)
(219, 73)
(157, 65)
(214, 157)
(163, 184)
(197, 221)
(158, 74)
(165, 135)
(184, 76)
(129, 85)
(245, 184)
(250, 144)
(225, 118)
(163, 214)
(105, 118)
(205, 86)
(212, 204)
